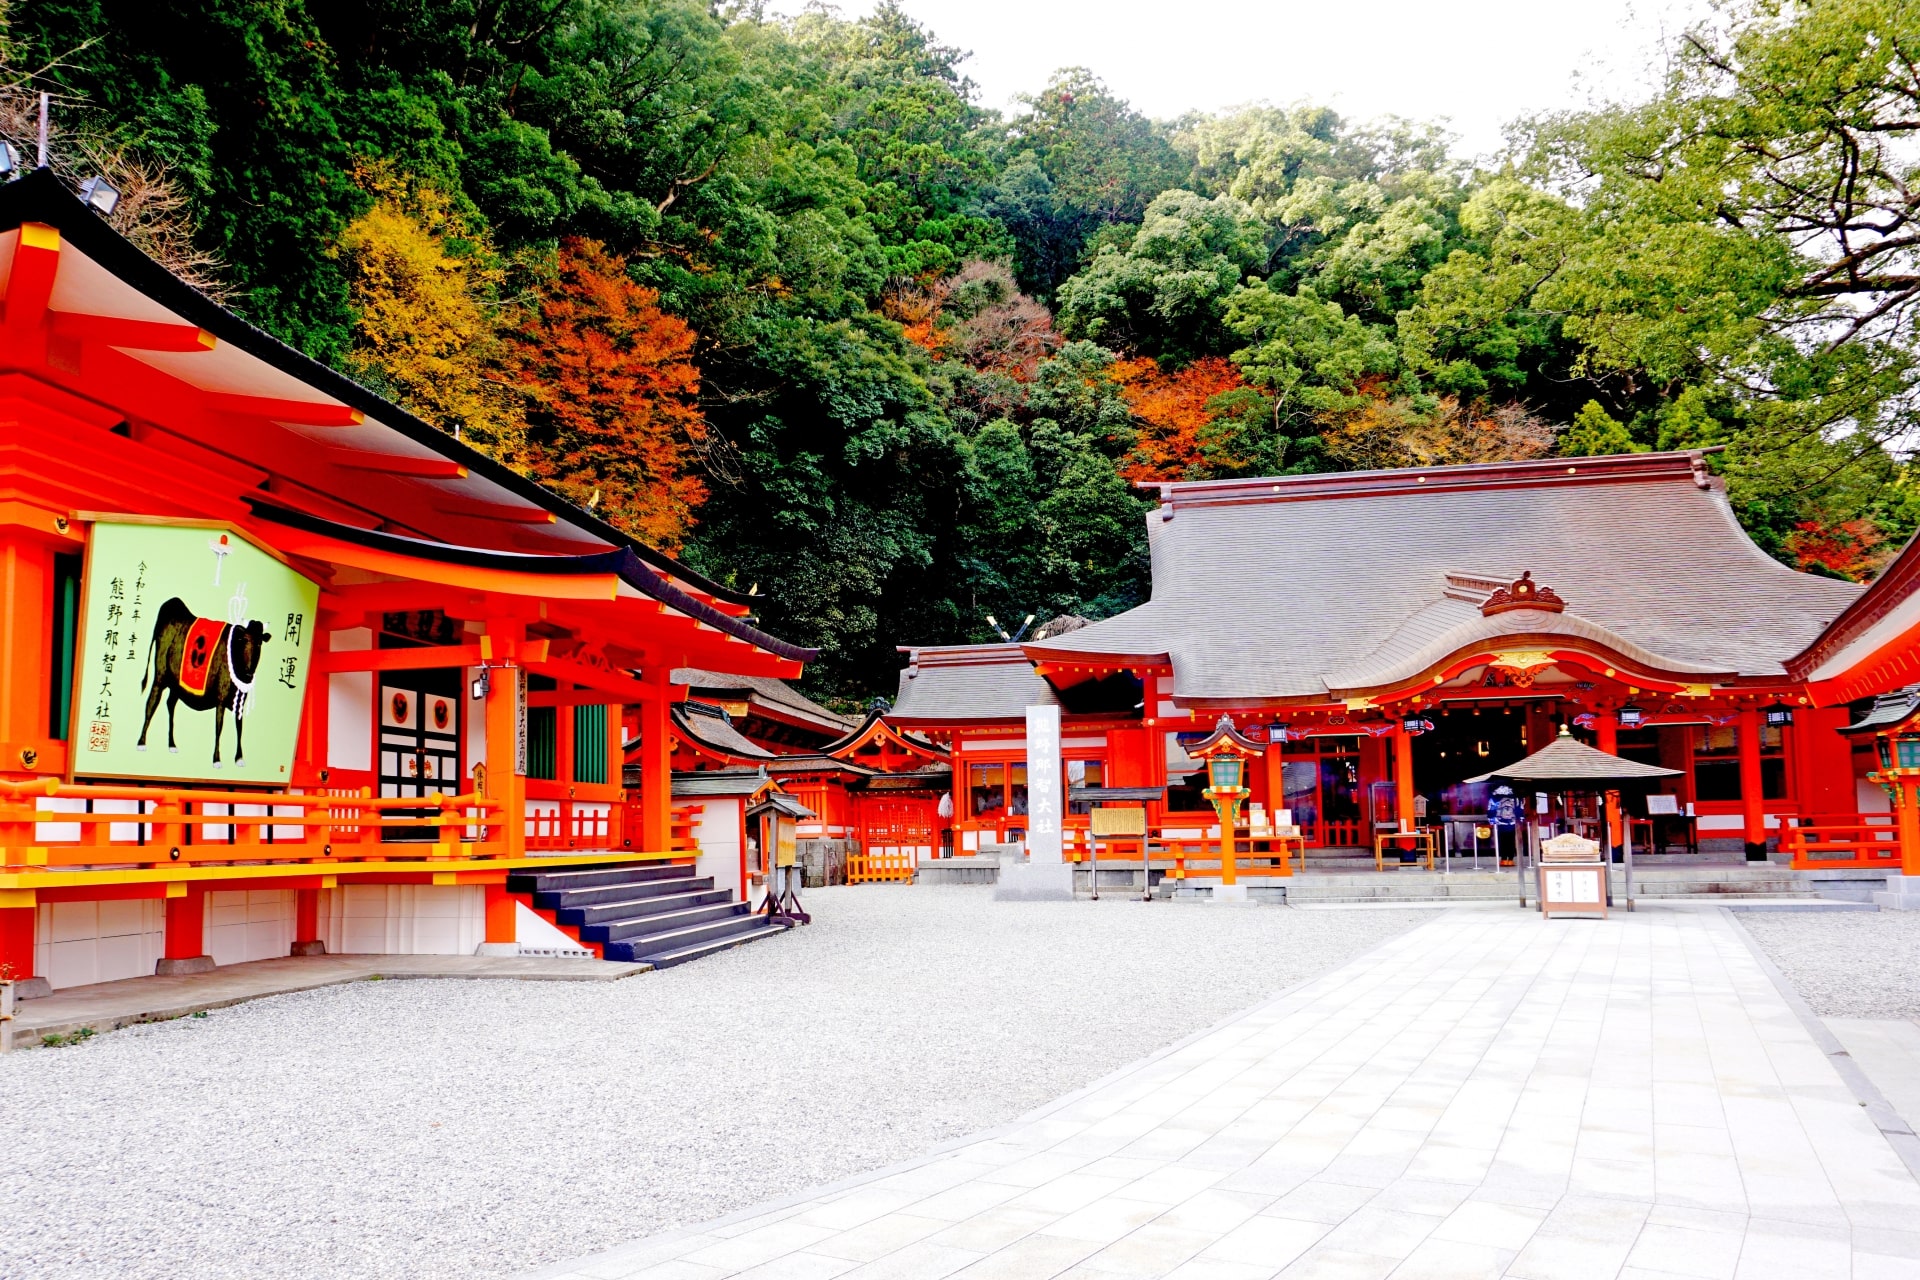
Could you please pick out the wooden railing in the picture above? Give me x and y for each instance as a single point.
(54, 824)
(878, 865)
(567, 823)
(1818, 841)
(680, 827)
(1184, 855)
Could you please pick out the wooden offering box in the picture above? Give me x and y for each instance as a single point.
(1573, 879)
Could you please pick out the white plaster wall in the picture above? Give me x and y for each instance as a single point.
(350, 705)
(350, 720)
(474, 711)
(717, 836)
(249, 924)
(404, 919)
(532, 930)
(58, 832)
(1870, 797)
(80, 942)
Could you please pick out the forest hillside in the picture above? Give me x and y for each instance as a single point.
(779, 296)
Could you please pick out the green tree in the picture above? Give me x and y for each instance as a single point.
(1595, 433)
(1166, 292)
(1747, 237)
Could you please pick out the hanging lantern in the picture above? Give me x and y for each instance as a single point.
(1632, 717)
(1778, 714)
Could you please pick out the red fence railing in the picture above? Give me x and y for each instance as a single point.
(1818, 841)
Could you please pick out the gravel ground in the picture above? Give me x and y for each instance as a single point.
(1845, 964)
(438, 1129)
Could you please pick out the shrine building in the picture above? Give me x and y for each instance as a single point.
(1390, 635)
(287, 669)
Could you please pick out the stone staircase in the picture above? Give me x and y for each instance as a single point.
(642, 912)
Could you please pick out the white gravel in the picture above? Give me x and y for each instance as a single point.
(457, 1128)
(1845, 964)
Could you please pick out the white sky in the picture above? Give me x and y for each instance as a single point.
(1478, 63)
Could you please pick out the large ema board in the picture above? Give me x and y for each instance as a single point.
(194, 651)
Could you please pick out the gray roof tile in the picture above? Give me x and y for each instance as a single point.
(992, 681)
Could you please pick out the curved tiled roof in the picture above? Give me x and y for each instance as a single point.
(1568, 760)
(766, 689)
(1450, 626)
(1261, 588)
(967, 682)
(716, 732)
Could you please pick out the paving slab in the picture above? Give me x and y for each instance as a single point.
(1488, 1094)
(105, 1006)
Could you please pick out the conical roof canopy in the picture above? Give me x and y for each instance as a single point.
(1565, 762)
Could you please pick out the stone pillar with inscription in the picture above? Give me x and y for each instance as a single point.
(1043, 876)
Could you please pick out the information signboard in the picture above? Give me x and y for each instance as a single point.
(194, 656)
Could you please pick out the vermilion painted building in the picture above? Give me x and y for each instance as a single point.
(871, 785)
(285, 667)
(1395, 633)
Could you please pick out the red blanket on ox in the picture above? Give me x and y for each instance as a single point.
(196, 657)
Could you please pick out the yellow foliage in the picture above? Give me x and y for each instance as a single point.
(1384, 432)
(426, 322)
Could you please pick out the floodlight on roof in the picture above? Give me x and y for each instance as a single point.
(9, 162)
(100, 195)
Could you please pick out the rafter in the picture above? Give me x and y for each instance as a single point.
(396, 464)
(508, 513)
(36, 260)
(306, 413)
(133, 335)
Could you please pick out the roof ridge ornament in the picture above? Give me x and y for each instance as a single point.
(1523, 593)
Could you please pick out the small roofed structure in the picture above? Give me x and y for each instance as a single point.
(767, 710)
(1570, 764)
(704, 736)
(1566, 765)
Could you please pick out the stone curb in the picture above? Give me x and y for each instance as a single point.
(1898, 1133)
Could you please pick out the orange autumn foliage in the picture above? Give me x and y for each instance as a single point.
(1170, 412)
(611, 397)
(915, 303)
(1850, 550)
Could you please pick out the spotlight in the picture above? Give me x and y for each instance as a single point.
(481, 685)
(101, 196)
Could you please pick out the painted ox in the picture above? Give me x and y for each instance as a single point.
(206, 664)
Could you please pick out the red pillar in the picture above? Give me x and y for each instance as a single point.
(502, 921)
(16, 942)
(1607, 731)
(1752, 803)
(656, 765)
(1276, 781)
(186, 949)
(1403, 776)
(306, 923)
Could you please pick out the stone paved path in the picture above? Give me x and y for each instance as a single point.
(1486, 1095)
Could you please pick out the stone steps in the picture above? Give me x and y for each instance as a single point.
(643, 913)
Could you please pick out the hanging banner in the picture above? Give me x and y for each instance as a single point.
(194, 653)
